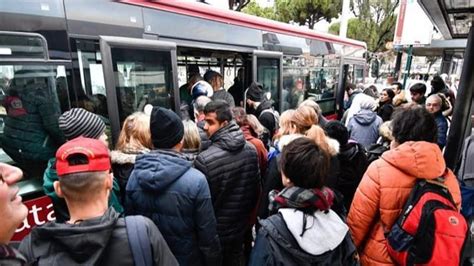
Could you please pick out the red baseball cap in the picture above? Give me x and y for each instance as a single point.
(94, 150)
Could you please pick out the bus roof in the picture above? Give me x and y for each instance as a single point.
(241, 19)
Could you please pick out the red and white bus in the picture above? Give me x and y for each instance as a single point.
(111, 57)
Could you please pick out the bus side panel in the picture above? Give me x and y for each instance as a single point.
(94, 18)
(53, 28)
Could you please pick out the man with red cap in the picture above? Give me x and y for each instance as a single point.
(94, 233)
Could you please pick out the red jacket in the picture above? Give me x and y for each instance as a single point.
(384, 190)
(262, 153)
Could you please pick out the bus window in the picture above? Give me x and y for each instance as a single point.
(142, 77)
(191, 65)
(268, 74)
(296, 82)
(30, 100)
(91, 94)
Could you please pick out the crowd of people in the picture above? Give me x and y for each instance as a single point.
(227, 187)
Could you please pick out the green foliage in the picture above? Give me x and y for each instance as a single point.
(374, 23)
(307, 12)
(303, 12)
(254, 9)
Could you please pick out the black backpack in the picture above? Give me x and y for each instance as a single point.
(375, 151)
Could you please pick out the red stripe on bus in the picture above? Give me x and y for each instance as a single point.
(241, 19)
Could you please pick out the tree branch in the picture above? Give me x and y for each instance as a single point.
(381, 40)
(242, 4)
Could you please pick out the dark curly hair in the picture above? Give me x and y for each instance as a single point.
(413, 122)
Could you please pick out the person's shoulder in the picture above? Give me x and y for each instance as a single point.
(121, 224)
(194, 175)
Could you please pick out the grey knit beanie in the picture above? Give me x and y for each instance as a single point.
(80, 122)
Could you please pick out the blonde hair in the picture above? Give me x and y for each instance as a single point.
(303, 118)
(385, 130)
(317, 134)
(284, 123)
(135, 132)
(311, 103)
(191, 139)
(256, 126)
(304, 121)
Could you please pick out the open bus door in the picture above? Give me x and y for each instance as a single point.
(138, 72)
(267, 70)
(343, 79)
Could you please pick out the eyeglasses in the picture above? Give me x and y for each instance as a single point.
(432, 104)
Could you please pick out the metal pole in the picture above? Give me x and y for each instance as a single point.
(344, 18)
(341, 91)
(462, 108)
(408, 66)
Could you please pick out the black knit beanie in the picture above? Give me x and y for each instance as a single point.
(255, 92)
(166, 128)
(80, 122)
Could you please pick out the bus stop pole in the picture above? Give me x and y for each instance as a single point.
(408, 66)
(462, 107)
(398, 64)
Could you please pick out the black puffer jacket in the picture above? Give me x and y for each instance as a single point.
(352, 166)
(230, 165)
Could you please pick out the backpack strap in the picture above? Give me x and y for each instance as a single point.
(138, 240)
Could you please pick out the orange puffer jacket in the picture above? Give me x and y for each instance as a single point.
(384, 190)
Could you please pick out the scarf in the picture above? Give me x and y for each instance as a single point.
(306, 200)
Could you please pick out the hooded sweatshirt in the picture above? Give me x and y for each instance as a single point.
(326, 240)
(97, 241)
(164, 187)
(364, 127)
(230, 165)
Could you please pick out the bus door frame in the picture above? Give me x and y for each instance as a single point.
(106, 45)
(257, 54)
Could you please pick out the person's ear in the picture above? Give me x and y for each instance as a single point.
(109, 181)
(57, 189)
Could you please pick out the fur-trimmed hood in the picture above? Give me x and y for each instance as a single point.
(126, 156)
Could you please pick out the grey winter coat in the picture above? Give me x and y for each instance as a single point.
(364, 127)
(98, 241)
(231, 167)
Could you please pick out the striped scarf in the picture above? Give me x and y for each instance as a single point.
(306, 200)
